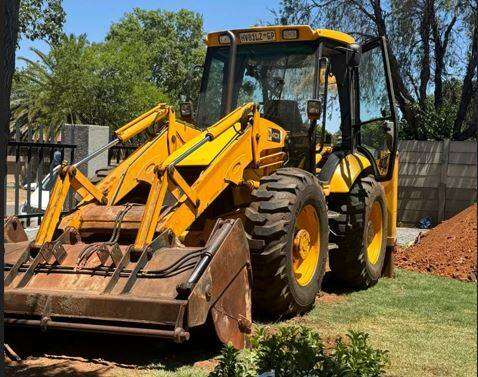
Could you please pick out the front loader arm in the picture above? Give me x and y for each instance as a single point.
(229, 152)
(123, 179)
(68, 177)
(139, 166)
(228, 168)
(166, 176)
(230, 160)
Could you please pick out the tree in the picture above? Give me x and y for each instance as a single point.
(173, 43)
(79, 82)
(427, 41)
(147, 57)
(470, 86)
(33, 19)
(41, 19)
(439, 123)
(8, 39)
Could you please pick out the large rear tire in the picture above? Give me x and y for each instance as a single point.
(360, 232)
(287, 228)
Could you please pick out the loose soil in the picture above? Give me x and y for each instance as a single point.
(449, 249)
(55, 354)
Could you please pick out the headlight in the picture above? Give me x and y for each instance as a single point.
(224, 39)
(290, 34)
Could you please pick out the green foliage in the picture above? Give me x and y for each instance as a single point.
(77, 82)
(299, 351)
(435, 123)
(41, 19)
(373, 135)
(172, 44)
(233, 363)
(355, 358)
(290, 351)
(148, 57)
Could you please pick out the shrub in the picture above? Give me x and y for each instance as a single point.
(233, 363)
(299, 351)
(290, 351)
(355, 358)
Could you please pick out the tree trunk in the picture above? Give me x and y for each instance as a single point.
(439, 57)
(425, 62)
(468, 87)
(8, 41)
(404, 99)
(440, 50)
(439, 64)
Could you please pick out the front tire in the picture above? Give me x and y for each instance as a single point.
(287, 228)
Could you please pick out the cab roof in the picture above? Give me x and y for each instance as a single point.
(279, 33)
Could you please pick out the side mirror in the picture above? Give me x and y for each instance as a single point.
(355, 56)
(186, 110)
(314, 109)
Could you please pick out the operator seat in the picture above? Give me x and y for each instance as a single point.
(286, 114)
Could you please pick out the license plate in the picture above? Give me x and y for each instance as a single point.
(257, 36)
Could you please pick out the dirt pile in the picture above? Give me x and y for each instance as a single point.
(449, 249)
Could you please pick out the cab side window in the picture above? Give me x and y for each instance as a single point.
(376, 122)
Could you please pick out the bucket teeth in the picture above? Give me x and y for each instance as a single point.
(103, 253)
(163, 290)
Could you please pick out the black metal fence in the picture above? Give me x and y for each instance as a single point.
(31, 158)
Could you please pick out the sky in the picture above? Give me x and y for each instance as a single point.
(94, 17)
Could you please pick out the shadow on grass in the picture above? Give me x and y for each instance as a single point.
(61, 353)
(333, 286)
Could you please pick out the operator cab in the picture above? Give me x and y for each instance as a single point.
(283, 68)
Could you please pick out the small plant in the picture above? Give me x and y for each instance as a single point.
(299, 351)
(355, 358)
(290, 351)
(233, 363)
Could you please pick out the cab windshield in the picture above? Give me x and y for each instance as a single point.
(279, 77)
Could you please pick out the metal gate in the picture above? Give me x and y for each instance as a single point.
(31, 158)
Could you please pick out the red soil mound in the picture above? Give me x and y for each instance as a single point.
(449, 249)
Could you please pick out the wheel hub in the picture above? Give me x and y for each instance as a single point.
(302, 243)
(374, 233)
(306, 245)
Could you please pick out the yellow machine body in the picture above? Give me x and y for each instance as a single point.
(182, 194)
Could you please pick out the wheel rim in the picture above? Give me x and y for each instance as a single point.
(374, 233)
(306, 245)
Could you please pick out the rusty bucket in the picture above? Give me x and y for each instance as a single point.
(166, 293)
(13, 230)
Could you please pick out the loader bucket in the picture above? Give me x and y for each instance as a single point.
(163, 293)
(13, 230)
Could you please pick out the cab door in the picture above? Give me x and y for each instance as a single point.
(376, 125)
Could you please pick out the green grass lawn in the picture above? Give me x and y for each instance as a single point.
(427, 323)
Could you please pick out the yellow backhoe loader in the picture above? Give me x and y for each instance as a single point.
(228, 208)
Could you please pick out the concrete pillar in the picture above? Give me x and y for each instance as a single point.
(87, 138)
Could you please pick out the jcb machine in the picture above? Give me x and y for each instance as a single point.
(230, 207)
